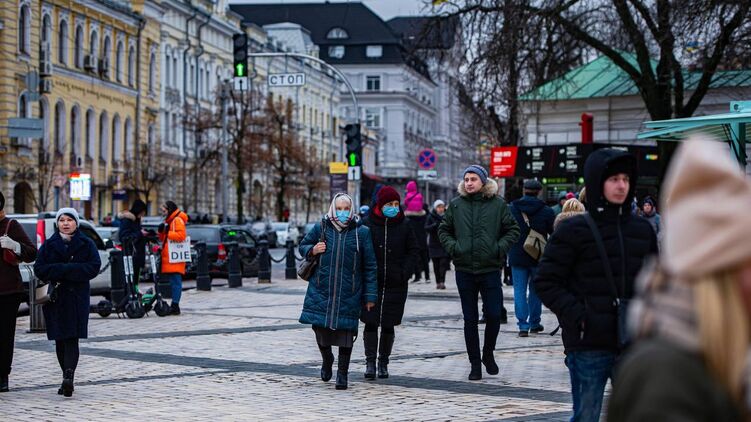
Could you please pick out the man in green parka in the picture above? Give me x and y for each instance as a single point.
(477, 232)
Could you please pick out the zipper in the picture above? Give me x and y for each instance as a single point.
(337, 237)
(385, 266)
(623, 258)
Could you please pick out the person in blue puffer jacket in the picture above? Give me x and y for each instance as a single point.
(344, 280)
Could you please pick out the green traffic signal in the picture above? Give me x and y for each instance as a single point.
(240, 70)
(353, 159)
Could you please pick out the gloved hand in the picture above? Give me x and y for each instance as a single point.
(8, 243)
(162, 228)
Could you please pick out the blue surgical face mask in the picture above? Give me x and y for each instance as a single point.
(390, 211)
(342, 215)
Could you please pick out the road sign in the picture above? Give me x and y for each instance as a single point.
(426, 159)
(503, 161)
(336, 167)
(240, 83)
(338, 183)
(80, 186)
(427, 174)
(286, 79)
(25, 128)
(353, 173)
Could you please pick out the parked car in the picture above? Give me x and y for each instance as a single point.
(216, 236)
(305, 230)
(264, 228)
(109, 233)
(285, 231)
(42, 226)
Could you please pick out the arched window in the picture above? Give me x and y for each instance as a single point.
(103, 136)
(78, 48)
(131, 66)
(129, 147)
(119, 57)
(24, 30)
(107, 54)
(75, 130)
(174, 70)
(59, 127)
(152, 71)
(116, 139)
(150, 137)
(44, 114)
(46, 30)
(167, 69)
(94, 44)
(24, 110)
(62, 43)
(90, 125)
(337, 34)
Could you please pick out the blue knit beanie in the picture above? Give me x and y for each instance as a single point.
(478, 170)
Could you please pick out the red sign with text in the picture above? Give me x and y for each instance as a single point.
(503, 161)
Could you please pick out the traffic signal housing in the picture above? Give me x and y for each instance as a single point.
(354, 145)
(240, 54)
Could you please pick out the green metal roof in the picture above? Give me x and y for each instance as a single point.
(603, 78)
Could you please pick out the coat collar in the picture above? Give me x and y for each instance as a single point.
(488, 190)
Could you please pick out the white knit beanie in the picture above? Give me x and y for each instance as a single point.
(71, 212)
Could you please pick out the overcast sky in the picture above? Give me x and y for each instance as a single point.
(386, 9)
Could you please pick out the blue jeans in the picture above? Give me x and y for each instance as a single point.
(487, 285)
(528, 308)
(589, 371)
(176, 282)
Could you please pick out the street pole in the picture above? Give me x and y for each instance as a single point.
(224, 184)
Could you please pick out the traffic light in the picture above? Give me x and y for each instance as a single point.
(354, 145)
(240, 51)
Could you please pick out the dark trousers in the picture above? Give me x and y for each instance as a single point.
(8, 310)
(440, 266)
(67, 353)
(423, 266)
(488, 286)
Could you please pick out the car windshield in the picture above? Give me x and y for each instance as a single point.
(31, 230)
(203, 234)
(280, 226)
(259, 226)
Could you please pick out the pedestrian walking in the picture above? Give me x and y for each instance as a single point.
(530, 213)
(416, 216)
(649, 213)
(571, 208)
(132, 238)
(67, 260)
(172, 230)
(344, 280)
(586, 276)
(477, 231)
(396, 253)
(561, 200)
(16, 247)
(692, 316)
(441, 259)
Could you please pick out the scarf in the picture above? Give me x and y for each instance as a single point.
(338, 225)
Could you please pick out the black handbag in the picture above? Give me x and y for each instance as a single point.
(307, 266)
(620, 304)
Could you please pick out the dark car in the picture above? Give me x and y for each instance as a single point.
(263, 228)
(215, 236)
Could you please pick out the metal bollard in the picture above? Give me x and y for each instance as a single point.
(203, 280)
(36, 316)
(264, 263)
(290, 272)
(234, 273)
(117, 277)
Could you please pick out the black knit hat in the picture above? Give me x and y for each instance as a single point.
(2, 201)
(138, 207)
(171, 207)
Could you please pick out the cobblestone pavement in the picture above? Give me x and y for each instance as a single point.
(240, 354)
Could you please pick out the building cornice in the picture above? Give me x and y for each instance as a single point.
(93, 80)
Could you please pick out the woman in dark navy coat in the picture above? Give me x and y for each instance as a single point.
(69, 260)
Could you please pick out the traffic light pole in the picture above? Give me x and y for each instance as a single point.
(356, 195)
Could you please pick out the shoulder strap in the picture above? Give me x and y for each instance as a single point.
(526, 219)
(603, 254)
(323, 231)
(7, 226)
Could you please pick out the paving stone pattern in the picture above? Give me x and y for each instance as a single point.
(240, 355)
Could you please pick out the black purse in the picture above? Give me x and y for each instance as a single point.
(620, 304)
(307, 266)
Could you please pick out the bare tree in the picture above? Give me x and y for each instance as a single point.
(50, 166)
(146, 174)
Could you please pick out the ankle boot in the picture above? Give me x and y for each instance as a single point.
(387, 343)
(3, 383)
(175, 309)
(370, 340)
(476, 372)
(342, 371)
(328, 362)
(489, 361)
(67, 386)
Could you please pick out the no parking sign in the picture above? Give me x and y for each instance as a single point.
(426, 159)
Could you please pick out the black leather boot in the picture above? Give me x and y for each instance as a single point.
(370, 340)
(3, 383)
(342, 371)
(175, 309)
(476, 372)
(328, 363)
(489, 361)
(67, 386)
(387, 343)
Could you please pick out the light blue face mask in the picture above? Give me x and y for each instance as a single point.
(390, 211)
(342, 215)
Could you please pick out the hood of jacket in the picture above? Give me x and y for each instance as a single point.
(175, 214)
(415, 213)
(488, 190)
(126, 215)
(595, 169)
(411, 186)
(529, 205)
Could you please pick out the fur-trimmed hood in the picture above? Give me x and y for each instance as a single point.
(415, 213)
(126, 214)
(489, 190)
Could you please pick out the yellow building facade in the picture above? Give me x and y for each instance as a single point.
(98, 99)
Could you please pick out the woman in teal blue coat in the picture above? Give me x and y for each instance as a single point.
(344, 280)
